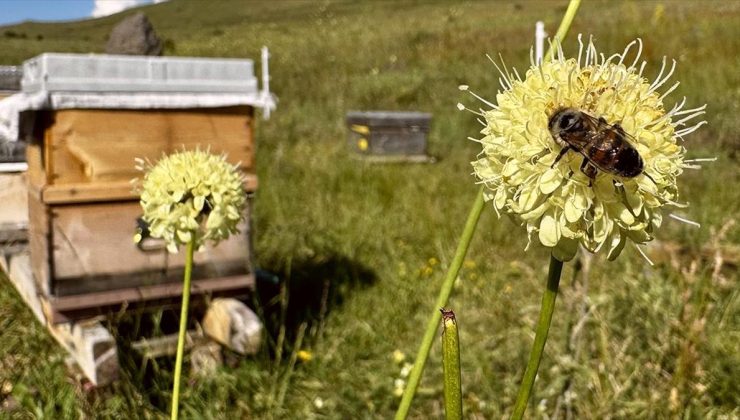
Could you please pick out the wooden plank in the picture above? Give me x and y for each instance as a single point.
(231, 323)
(13, 210)
(204, 354)
(21, 276)
(222, 130)
(39, 243)
(91, 346)
(152, 348)
(87, 192)
(13, 233)
(102, 191)
(66, 308)
(13, 199)
(92, 144)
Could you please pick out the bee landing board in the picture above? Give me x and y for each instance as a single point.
(83, 210)
(389, 136)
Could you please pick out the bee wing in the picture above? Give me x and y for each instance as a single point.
(599, 125)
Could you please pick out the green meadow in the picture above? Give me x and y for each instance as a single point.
(361, 248)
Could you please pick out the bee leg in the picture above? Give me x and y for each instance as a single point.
(619, 129)
(589, 170)
(650, 178)
(563, 151)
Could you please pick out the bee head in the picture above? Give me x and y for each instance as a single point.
(565, 119)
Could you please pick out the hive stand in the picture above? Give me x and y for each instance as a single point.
(228, 322)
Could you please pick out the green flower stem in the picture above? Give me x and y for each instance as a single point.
(451, 366)
(462, 249)
(543, 326)
(183, 326)
(570, 14)
(553, 276)
(444, 295)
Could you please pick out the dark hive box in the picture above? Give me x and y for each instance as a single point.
(388, 133)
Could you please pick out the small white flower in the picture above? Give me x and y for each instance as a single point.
(406, 369)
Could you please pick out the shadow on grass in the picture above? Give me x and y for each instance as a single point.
(289, 293)
(294, 292)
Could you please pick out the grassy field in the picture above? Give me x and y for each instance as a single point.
(363, 247)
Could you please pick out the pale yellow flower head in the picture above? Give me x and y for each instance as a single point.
(191, 192)
(559, 205)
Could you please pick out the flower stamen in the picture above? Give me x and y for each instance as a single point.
(649, 261)
(684, 220)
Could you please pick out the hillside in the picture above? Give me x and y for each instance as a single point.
(657, 342)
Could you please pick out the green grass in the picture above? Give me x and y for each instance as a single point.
(658, 342)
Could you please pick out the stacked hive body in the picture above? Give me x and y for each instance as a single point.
(83, 210)
(100, 113)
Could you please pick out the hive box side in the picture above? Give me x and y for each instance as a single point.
(100, 145)
(93, 251)
(387, 133)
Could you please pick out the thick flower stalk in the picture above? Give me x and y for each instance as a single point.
(191, 193)
(189, 198)
(556, 201)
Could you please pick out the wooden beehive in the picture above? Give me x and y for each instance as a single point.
(67, 224)
(83, 210)
(388, 134)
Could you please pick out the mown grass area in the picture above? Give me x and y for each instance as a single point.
(373, 241)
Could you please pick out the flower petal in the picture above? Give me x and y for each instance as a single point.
(549, 230)
(550, 180)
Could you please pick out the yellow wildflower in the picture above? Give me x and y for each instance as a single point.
(304, 355)
(398, 356)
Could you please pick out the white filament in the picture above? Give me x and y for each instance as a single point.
(684, 220)
(689, 130)
(643, 254)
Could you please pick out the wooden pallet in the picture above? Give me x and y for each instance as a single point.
(228, 322)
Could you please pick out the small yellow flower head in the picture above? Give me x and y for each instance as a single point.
(556, 202)
(191, 192)
(304, 356)
(398, 356)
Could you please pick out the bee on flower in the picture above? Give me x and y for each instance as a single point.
(582, 150)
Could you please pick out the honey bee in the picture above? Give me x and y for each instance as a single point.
(603, 146)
